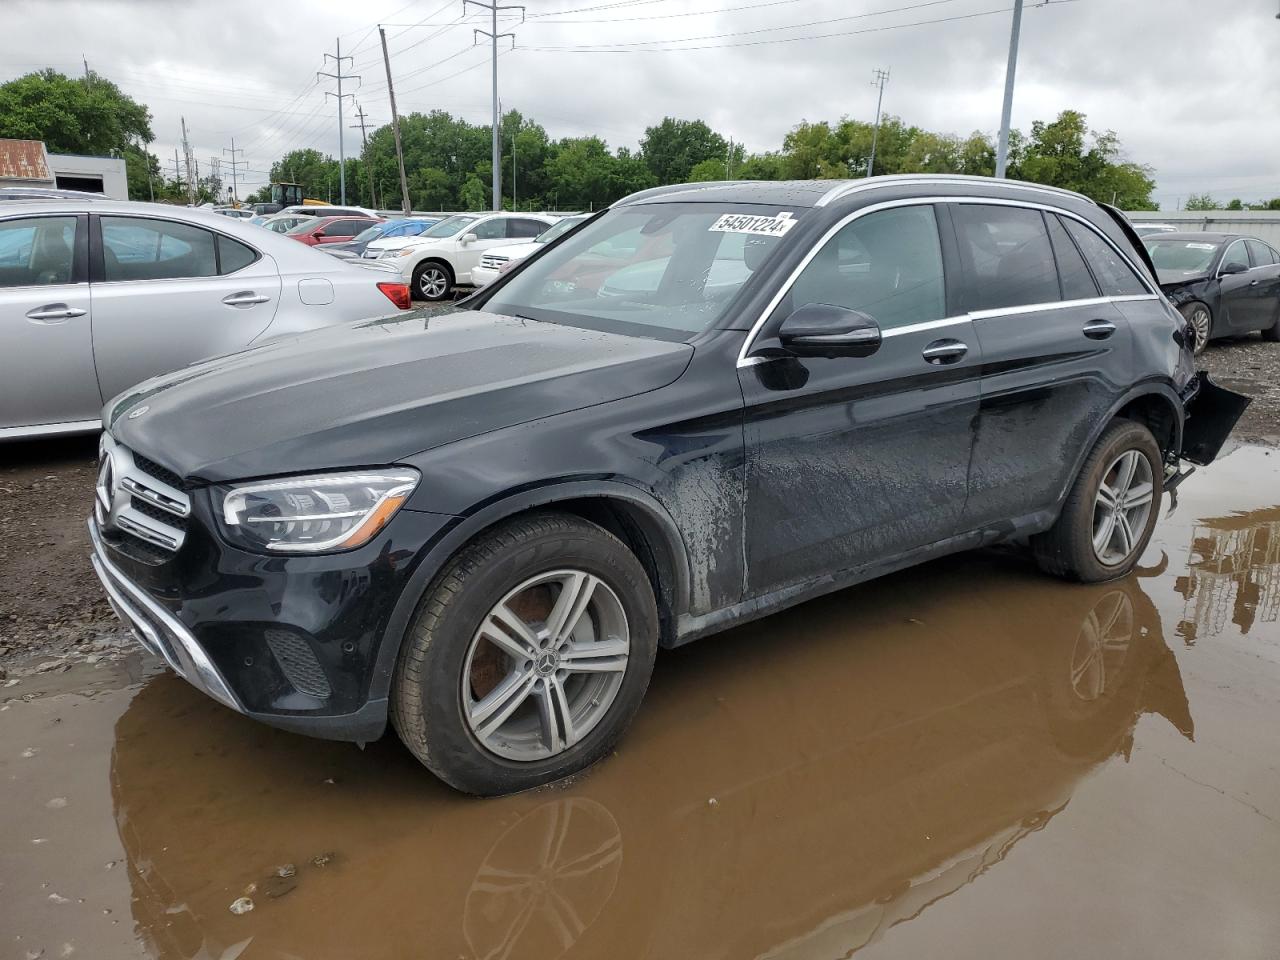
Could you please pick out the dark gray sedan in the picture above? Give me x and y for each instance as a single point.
(1224, 284)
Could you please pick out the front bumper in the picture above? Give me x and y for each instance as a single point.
(157, 629)
(483, 276)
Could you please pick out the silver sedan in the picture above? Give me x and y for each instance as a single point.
(95, 297)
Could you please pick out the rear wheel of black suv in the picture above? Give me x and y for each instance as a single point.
(1111, 510)
(528, 656)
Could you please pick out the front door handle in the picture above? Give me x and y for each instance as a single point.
(1099, 329)
(54, 313)
(1253, 283)
(245, 298)
(944, 351)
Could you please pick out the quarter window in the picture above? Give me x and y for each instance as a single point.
(1114, 275)
(37, 251)
(1007, 255)
(234, 255)
(1260, 254)
(888, 264)
(1073, 272)
(137, 249)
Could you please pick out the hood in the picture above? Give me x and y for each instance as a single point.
(377, 391)
(391, 243)
(1172, 279)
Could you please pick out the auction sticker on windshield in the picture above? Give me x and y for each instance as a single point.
(761, 226)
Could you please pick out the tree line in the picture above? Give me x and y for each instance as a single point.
(449, 167)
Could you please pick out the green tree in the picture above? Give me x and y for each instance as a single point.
(1065, 153)
(1235, 204)
(1201, 201)
(474, 196)
(672, 148)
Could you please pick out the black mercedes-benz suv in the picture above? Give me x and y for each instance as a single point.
(704, 404)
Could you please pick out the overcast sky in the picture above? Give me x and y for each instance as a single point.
(1191, 86)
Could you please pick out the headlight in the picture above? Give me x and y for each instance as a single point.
(405, 252)
(316, 514)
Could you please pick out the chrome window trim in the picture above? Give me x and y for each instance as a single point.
(745, 361)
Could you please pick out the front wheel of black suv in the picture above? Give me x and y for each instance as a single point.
(527, 657)
(1111, 510)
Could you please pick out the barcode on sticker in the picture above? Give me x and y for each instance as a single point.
(761, 226)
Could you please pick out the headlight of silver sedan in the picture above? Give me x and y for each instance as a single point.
(321, 513)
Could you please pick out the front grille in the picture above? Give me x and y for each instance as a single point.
(298, 664)
(153, 469)
(140, 499)
(493, 262)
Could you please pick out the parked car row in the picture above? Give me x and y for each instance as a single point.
(96, 296)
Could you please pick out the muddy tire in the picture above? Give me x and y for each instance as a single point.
(527, 657)
(1199, 323)
(1111, 510)
(432, 281)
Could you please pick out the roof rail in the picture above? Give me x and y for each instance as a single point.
(672, 188)
(846, 187)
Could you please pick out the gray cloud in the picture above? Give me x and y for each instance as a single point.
(1189, 86)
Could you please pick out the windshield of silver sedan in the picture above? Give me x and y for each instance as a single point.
(664, 269)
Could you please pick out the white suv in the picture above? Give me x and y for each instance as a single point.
(435, 262)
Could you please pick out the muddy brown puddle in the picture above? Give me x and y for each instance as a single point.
(965, 760)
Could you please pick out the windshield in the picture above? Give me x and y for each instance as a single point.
(371, 233)
(304, 226)
(448, 227)
(559, 229)
(660, 270)
(1181, 256)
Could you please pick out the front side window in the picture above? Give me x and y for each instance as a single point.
(1235, 253)
(1114, 275)
(1007, 255)
(37, 251)
(495, 229)
(1260, 255)
(887, 264)
(138, 249)
(344, 228)
(664, 270)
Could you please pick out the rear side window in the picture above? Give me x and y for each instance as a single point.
(37, 252)
(525, 228)
(1260, 254)
(344, 228)
(1073, 272)
(887, 264)
(138, 249)
(1007, 255)
(234, 255)
(1114, 275)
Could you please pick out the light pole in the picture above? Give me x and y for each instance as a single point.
(1002, 151)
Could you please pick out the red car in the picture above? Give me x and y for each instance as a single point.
(330, 229)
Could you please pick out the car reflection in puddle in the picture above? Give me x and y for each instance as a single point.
(793, 789)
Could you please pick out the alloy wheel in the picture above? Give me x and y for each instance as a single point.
(433, 283)
(1122, 506)
(545, 665)
(1200, 326)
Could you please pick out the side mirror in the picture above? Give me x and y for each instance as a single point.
(1235, 266)
(468, 239)
(825, 330)
(318, 234)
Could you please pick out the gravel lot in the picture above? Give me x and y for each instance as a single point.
(53, 612)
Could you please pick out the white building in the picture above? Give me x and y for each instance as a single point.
(26, 163)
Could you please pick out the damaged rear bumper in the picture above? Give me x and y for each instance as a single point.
(1211, 414)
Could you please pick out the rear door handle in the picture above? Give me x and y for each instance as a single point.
(245, 298)
(1099, 329)
(54, 313)
(944, 351)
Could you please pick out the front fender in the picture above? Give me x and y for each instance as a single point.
(489, 513)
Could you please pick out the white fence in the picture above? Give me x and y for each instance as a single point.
(1263, 224)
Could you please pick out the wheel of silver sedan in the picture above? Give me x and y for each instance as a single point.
(545, 665)
(1123, 503)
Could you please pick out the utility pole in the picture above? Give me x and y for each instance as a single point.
(339, 76)
(188, 160)
(234, 163)
(1002, 151)
(364, 140)
(88, 81)
(880, 78)
(215, 173)
(513, 172)
(177, 176)
(395, 124)
(728, 159)
(493, 7)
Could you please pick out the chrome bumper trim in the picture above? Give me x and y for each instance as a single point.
(183, 654)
